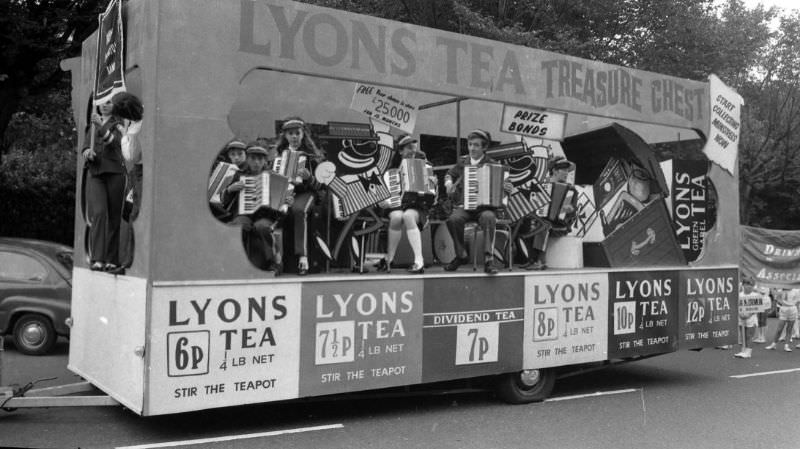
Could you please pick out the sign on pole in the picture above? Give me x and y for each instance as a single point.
(533, 122)
(385, 105)
(110, 73)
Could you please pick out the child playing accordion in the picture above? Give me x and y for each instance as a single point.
(258, 223)
(412, 214)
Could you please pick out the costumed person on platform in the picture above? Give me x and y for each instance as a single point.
(258, 228)
(295, 136)
(536, 231)
(105, 185)
(410, 215)
(748, 321)
(478, 142)
(787, 315)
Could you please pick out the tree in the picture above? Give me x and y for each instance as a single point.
(35, 36)
(769, 156)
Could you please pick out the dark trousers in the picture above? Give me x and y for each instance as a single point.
(302, 205)
(458, 219)
(105, 194)
(261, 247)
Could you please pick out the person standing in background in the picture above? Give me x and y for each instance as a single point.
(747, 321)
(787, 314)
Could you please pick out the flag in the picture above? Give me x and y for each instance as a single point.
(110, 74)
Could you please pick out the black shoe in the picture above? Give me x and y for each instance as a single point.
(277, 267)
(383, 266)
(359, 269)
(417, 269)
(455, 263)
(489, 268)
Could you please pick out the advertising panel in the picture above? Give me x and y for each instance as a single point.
(360, 336)
(642, 313)
(472, 327)
(708, 300)
(214, 346)
(565, 320)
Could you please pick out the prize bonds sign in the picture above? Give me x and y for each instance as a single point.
(565, 320)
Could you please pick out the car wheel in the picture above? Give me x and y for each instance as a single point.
(522, 387)
(34, 334)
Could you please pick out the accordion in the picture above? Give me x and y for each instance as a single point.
(289, 163)
(221, 178)
(410, 184)
(392, 180)
(267, 189)
(560, 194)
(483, 186)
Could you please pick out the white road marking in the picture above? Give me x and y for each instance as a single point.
(591, 395)
(233, 437)
(765, 373)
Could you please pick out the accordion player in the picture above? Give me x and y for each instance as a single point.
(265, 190)
(483, 186)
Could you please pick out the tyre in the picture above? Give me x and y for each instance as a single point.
(34, 334)
(526, 386)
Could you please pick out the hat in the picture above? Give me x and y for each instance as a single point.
(257, 149)
(480, 134)
(403, 141)
(562, 164)
(291, 124)
(235, 144)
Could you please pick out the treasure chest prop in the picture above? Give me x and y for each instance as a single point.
(629, 190)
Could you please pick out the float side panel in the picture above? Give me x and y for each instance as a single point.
(109, 325)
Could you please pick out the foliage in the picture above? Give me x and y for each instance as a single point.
(37, 185)
(34, 36)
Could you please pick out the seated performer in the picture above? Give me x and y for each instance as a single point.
(295, 136)
(535, 230)
(258, 227)
(411, 215)
(234, 153)
(477, 142)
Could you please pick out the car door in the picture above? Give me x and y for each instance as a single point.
(26, 283)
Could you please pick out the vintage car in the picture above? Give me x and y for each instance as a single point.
(35, 293)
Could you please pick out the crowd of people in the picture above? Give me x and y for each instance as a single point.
(753, 325)
(410, 217)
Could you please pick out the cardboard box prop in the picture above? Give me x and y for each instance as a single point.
(636, 232)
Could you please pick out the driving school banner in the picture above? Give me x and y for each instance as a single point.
(109, 76)
(771, 257)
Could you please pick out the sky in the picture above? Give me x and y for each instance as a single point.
(785, 4)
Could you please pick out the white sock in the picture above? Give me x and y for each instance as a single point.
(415, 239)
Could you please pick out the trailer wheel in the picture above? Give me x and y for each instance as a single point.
(522, 387)
(34, 334)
